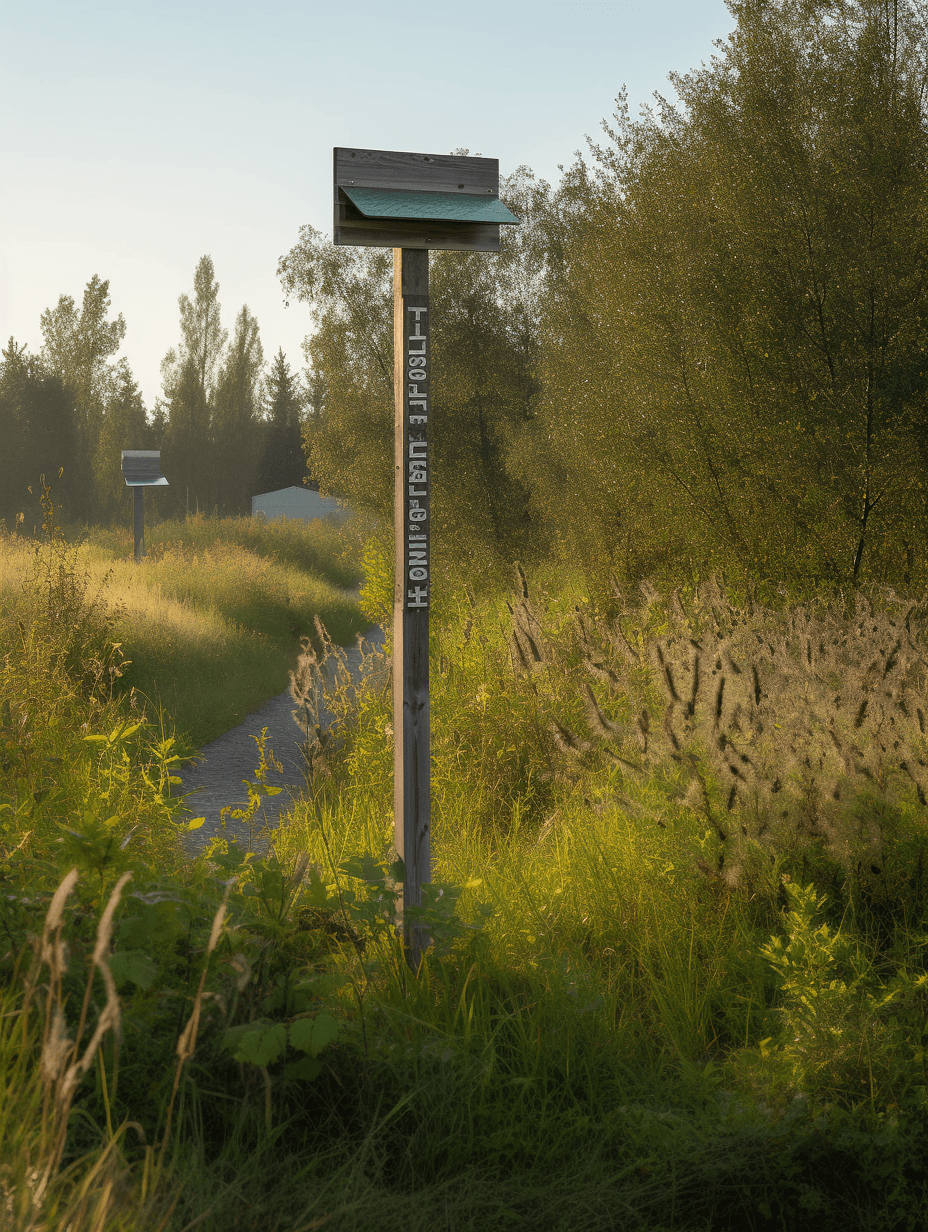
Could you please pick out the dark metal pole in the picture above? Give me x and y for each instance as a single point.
(139, 523)
(412, 766)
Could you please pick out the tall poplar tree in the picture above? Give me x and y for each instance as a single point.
(235, 423)
(125, 426)
(78, 346)
(189, 377)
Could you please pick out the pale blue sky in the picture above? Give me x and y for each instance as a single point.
(137, 137)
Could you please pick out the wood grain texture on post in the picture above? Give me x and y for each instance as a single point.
(139, 527)
(412, 587)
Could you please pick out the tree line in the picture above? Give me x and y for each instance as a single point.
(228, 425)
(706, 348)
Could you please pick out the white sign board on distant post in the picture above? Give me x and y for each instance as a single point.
(141, 469)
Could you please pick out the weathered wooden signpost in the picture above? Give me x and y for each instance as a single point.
(141, 469)
(413, 203)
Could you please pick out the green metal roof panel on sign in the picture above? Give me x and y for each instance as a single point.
(440, 206)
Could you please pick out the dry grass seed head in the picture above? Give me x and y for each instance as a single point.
(52, 950)
(110, 1017)
(56, 1049)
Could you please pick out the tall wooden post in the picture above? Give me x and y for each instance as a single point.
(412, 768)
(414, 203)
(139, 523)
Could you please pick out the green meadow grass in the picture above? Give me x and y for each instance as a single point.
(321, 547)
(210, 619)
(612, 1030)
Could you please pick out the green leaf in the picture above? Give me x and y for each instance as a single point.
(133, 966)
(195, 823)
(155, 924)
(306, 1069)
(323, 985)
(123, 733)
(315, 891)
(259, 1043)
(311, 1035)
(365, 867)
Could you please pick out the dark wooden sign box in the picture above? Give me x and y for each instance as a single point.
(389, 199)
(141, 469)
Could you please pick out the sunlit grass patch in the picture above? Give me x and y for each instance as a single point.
(319, 546)
(15, 562)
(210, 626)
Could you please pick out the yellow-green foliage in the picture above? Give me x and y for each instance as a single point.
(622, 871)
(76, 758)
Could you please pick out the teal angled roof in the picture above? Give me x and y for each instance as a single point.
(438, 206)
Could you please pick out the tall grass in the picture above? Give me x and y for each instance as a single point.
(321, 546)
(649, 943)
(209, 624)
(608, 1032)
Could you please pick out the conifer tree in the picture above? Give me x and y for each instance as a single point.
(283, 462)
(38, 425)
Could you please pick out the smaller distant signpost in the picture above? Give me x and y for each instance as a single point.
(141, 469)
(413, 203)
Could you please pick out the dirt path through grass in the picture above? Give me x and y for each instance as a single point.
(217, 779)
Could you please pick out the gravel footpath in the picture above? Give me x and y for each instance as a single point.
(216, 780)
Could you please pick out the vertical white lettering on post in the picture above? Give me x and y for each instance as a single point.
(416, 462)
(412, 591)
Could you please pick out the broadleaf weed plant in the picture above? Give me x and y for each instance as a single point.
(848, 1029)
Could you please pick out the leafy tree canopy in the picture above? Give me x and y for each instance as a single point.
(733, 345)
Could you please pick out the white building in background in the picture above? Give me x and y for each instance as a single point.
(296, 502)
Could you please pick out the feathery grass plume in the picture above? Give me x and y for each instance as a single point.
(802, 711)
(61, 1064)
(328, 694)
(64, 1068)
(52, 951)
(567, 742)
(598, 722)
(527, 639)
